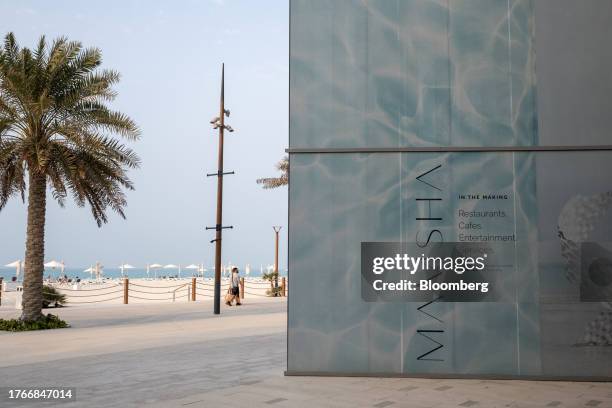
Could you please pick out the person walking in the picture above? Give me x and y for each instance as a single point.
(235, 286)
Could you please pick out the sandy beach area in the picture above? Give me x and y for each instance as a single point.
(172, 290)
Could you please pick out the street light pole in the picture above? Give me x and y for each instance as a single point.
(276, 230)
(219, 123)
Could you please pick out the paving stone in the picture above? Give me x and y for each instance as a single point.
(383, 404)
(275, 400)
(250, 382)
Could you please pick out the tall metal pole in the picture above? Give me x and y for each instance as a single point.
(219, 123)
(219, 222)
(276, 230)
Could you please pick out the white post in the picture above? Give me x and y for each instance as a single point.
(18, 297)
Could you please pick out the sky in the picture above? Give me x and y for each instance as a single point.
(169, 55)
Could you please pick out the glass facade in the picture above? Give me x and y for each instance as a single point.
(413, 74)
(392, 73)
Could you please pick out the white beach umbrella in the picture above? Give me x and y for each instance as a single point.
(247, 269)
(193, 266)
(173, 266)
(17, 265)
(125, 266)
(154, 266)
(90, 271)
(55, 264)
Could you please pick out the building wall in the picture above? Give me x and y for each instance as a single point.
(447, 74)
(574, 68)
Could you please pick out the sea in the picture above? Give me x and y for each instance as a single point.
(136, 273)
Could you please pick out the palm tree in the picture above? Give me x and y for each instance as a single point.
(54, 129)
(282, 180)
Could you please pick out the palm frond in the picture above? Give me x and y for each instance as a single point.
(282, 180)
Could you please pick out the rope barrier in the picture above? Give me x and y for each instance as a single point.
(203, 289)
(141, 298)
(97, 294)
(158, 287)
(83, 290)
(150, 299)
(224, 289)
(97, 301)
(212, 286)
(151, 293)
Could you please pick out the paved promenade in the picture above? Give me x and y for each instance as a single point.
(180, 355)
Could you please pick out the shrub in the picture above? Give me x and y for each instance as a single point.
(52, 296)
(274, 292)
(47, 322)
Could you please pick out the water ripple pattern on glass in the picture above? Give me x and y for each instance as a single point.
(412, 73)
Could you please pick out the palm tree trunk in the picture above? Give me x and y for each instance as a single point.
(35, 248)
